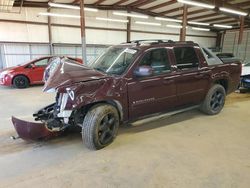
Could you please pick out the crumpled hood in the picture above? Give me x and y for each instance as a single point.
(67, 73)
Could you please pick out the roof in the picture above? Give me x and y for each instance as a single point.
(160, 8)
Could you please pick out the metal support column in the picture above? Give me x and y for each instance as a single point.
(83, 35)
(129, 28)
(242, 21)
(50, 35)
(184, 23)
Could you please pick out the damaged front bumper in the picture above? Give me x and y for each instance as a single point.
(51, 125)
(32, 131)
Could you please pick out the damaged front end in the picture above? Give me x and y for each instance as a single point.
(53, 122)
(64, 77)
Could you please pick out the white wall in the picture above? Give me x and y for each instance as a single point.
(230, 44)
(17, 32)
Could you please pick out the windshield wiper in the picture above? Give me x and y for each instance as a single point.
(99, 69)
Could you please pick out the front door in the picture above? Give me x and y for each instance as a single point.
(36, 72)
(155, 93)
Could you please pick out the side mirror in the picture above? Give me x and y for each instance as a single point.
(143, 71)
(32, 66)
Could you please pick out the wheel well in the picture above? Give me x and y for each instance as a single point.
(223, 82)
(116, 104)
(20, 75)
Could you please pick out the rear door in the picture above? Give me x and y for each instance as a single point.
(154, 93)
(193, 82)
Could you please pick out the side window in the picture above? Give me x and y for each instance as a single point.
(158, 60)
(186, 58)
(41, 63)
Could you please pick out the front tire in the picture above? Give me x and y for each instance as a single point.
(100, 126)
(214, 101)
(21, 82)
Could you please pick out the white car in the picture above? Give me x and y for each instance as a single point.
(245, 69)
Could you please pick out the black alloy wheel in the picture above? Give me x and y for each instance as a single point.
(214, 101)
(100, 126)
(106, 129)
(217, 100)
(21, 82)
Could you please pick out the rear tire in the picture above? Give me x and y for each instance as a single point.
(21, 82)
(214, 101)
(100, 126)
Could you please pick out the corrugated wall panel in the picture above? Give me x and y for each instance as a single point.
(230, 45)
(14, 54)
(229, 40)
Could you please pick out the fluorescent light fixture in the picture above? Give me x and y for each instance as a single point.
(198, 23)
(168, 19)
(175, 26)
(59, 5)
(148, 23)
(111, 20)
(223, 26)
(233, 11)
(130, 15)
(200, 29)
(194, 3)
(58, 15)
(90, 9)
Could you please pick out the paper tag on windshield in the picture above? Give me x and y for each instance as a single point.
(130, 51)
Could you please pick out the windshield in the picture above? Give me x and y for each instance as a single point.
(115, 60)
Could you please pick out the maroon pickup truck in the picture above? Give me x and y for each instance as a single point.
(128, 82)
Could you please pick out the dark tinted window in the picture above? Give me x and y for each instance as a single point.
(186, 57)
(157, 59)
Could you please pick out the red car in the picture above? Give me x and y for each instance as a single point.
(21, 76)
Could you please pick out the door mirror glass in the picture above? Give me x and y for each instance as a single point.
(32, 66)
(143, 71)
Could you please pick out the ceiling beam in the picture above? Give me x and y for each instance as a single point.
(171, 11)
(203, 16)
(75, 2)
(120, 2)
(144, 3)
(161, 5)
(231, 22)
(215, 19)
(31, 4)
(192, 13)
(242, 4)
(134, 4)
(99, 2)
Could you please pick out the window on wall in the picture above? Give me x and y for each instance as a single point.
(186, 58)
(158, 60)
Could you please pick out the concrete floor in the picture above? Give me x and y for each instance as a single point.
(186, 150)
